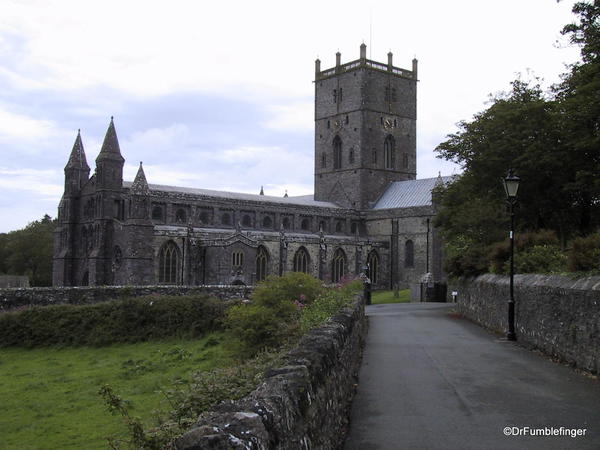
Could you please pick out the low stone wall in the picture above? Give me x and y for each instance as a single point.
(14, 281)
(302, 405)
(12, 298)
(556, 314)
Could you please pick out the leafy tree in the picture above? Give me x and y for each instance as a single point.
(578, 99)
(551, 141)
(29, 251)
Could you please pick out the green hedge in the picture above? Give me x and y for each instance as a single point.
(128, 320)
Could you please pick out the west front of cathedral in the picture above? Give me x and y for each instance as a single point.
(368, 209)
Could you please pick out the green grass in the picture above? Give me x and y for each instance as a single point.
(382, 297)
(49, 396)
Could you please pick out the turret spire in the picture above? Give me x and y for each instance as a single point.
(77, 158)
(140, 185)
(110, 147)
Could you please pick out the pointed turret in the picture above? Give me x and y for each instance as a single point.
(110, 147)
(140, 185)
(262, 192)
(77, 158)
(109, 163)
(77, 170)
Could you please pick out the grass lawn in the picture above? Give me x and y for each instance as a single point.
(49, 396)
(381, 297)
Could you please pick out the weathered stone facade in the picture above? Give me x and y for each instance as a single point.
(113, 232)
(556, 314)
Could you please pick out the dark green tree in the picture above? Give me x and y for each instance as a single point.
(551, 141)
(29, 251)
(578, 107)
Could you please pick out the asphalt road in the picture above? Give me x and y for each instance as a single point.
(432, 380)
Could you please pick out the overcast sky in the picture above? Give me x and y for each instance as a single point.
(219, 95)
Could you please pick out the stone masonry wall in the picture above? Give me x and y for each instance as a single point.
(302, 405)
(556, 314)
(12, 298)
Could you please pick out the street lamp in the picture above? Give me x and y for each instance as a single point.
(511, 187)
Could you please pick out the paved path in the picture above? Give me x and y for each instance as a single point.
(430, 380)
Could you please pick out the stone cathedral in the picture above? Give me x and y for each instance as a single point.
(368, 209)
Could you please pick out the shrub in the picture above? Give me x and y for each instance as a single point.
(328, 304)
(255, 328)
(291, 286)
(465, 261)
(130, 320)
(544, 242)
(281, 307)
(585, 254)
(539, 259)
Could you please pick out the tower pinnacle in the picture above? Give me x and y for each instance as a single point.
(110, 147)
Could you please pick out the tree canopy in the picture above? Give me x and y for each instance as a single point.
(29, 251)
(551, 140)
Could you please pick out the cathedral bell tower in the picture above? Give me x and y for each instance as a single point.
(365, 129)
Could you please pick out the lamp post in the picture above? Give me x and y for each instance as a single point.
(511, 187)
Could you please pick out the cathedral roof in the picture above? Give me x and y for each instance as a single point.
(304, 200)
(77, 158)
(409, 193)
(110, 147)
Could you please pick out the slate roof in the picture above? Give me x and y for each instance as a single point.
(410, 193)
(303, 200)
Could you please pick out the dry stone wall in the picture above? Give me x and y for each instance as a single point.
(556, 314)
(302, 405)
(13, 298)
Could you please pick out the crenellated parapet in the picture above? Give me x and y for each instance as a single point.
(364, 63)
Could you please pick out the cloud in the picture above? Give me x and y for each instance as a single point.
(23, 127)
(294, 116)
(39, 182)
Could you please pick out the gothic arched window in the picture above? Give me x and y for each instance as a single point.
(117, 257)
(267, 222)
(246, 221)
(180, 215)
(409, 254)
(373, 262)
(301, 260)
(262, 258)
(337, 153)
(169, 264)
(388, 152)
(237, 259)
(157, 213)
(305, 224)
(339, 226)
(203, 216)
(226, 219)
(338, 266)
(286, 223)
